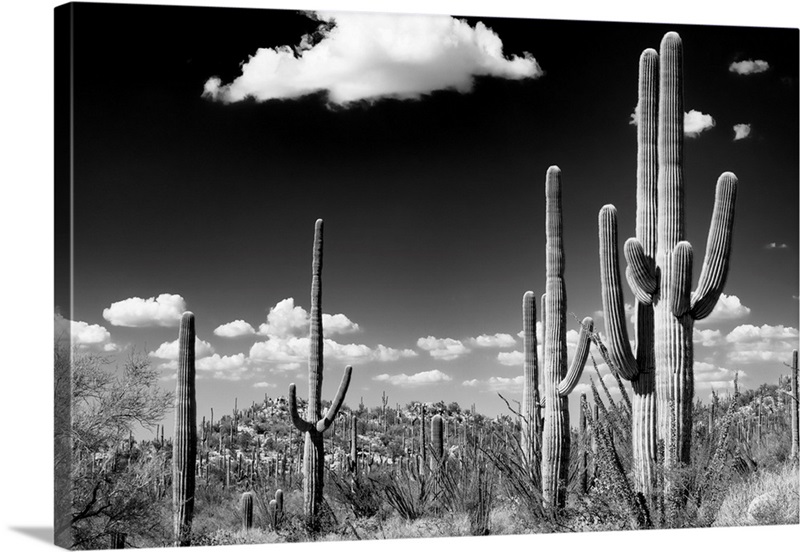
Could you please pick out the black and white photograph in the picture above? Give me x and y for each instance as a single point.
(331, 274)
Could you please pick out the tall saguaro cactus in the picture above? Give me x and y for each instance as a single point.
(558, 380)
(315, 425)
(184, 452)
(636, 365)
(531, 418)
(794, 405)
(660, 265)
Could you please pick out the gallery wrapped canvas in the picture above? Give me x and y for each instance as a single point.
(632, 186)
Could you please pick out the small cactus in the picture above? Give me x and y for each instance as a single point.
(276, 510)
(247, 511)
(185, 446)
(437, 441)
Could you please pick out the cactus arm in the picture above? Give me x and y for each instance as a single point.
(639, 273)
(718, 249)
(326, 422)
(681, 278)
(613, 305)
(579, 360)
(301, 425)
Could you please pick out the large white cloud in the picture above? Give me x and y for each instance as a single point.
(442, 348)
(749, 66)
(237, 328)
(287, 319)
(728, 307)
(414, 380)
(511, 358)
(169, 350)
(135, 312)
(364, 56)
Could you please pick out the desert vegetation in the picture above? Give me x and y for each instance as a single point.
(656, 456)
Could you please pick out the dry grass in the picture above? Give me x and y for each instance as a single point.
(765, 498)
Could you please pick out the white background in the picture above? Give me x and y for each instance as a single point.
(26, 266)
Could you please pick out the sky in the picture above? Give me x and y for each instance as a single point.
(207, 141)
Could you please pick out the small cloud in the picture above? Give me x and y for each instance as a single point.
(696, 122)
(776, 245)
(85, 335)
(728, 307)
(135, 312)
(513, 358)
(237, 328)
(264, 385)
(498, 340)
(366, 56)
(414, 380)
(169, 350)
(741, 131)
(442, 349)
(749, 67)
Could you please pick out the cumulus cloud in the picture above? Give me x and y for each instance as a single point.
(285, 320)
(708, 338)
(365, 56)
(289, 352)
(741, 131)
(442, 348)
(728, 307)
(231, 368)
(750, 344)
(237, 328)
(169, 350)
(496, 384)
(696, 122)
(776, 245)
(498, 340)
(414, 380)
(84, 335)
(749, 67)
(512, 358)
(135, 312)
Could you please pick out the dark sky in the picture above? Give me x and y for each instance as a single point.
(433, 208)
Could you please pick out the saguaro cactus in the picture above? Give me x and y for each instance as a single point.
(184, 452)
(794, 406)
(315, 425)
(352, 460)
(664, 280)
(638, 366)
(558, 380)
(437, 440)
(531, 417)
(247, 511)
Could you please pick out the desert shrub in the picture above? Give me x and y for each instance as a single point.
(767, 497)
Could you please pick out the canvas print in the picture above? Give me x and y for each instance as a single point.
(351, 276)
